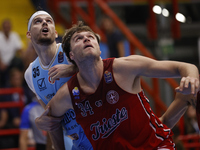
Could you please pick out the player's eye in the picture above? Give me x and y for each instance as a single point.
(78, 39)
(91, 37)
(37, 21)
(49, 21)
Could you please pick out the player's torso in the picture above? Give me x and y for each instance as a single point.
(114, 118)
(44, 86)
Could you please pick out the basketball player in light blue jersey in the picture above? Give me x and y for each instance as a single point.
(42, 33)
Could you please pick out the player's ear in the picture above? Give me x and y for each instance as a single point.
(56, 33)
(71, 55)
(100, 50)
(28, 34)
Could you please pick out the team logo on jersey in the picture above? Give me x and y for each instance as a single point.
(41, 84)
(60, 57)
(108, 77)
(76, 93)
(50, 80)
(112, 97)
(106, 127)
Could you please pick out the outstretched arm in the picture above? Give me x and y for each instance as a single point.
(135, 66)
(53, 126)
(177, 109)
(61, 102)
(56, 108)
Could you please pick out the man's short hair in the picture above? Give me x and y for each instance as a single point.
(76, 28)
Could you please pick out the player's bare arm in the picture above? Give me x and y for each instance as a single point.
(176, 109)
(61, 71)
(61, 102)
(135, 65)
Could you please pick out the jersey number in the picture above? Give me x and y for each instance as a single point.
(36, 72)
(85, 108)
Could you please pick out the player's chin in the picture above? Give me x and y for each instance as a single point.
(45, 41)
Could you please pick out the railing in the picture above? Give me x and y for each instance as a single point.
(29, 148)
(191, 141)
(19, 104)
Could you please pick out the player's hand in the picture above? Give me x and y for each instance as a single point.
(61, 71)
(188, 85)
(48, 123)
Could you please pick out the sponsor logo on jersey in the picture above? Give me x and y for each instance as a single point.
(112, 97)
(109, 125)
(50, 80)
(60, 57)
(70, 124)
(76, 93)
(108, 77)
(49, 96)
(69, 116)
(41, 84)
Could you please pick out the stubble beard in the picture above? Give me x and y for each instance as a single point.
(45, 41)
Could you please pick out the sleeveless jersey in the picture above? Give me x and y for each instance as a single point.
(115, 119)
(43, 85)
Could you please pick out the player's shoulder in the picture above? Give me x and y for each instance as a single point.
(130, 60)
(60, 47)
(28, 71)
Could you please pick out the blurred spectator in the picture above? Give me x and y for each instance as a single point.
(115, 39)
(191, 124)
(10, 44)
(16, 80)
(3, 117)
(6, 141)
(104, 50)
(30, 112)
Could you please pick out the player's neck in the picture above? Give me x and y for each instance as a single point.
(46, 53)
(90, 76)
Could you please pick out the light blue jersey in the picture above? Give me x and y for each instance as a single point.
(43, 85)
(46, 89)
